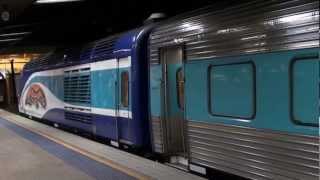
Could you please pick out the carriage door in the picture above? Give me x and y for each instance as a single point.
(124, 113)
(173, 99)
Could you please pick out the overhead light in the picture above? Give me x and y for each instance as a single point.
(9, 40)
(15, 34)
(54, 1)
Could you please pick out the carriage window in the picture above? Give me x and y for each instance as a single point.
(125, 89)
(180, 88)
(305, 91)
(232, 90)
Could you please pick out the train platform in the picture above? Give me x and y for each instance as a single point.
(30, 150)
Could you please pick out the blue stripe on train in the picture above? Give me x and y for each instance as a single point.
(104, 126)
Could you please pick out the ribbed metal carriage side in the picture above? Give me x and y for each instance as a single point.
(255, 27)
(254, 153)
(261, 26)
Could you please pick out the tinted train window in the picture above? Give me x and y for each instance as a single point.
(125, 89)
(305, 91)
(232, 90)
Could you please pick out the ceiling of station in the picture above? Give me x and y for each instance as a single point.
(36, 27)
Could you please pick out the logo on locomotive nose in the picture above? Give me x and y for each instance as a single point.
(36, 97)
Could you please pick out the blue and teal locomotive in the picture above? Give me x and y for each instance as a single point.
(233, 89)
(99, 88)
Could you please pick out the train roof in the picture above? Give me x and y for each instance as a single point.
(115, 46)
(245, 28)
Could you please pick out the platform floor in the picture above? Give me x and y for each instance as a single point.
(32, 150)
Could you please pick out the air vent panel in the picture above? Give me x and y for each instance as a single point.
(77, 87)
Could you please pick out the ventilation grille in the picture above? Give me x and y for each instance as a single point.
(38, 63)
(104, 48)
(86, 52)
(83, 118)
(56, 59)
(72, 55)
(77, 87)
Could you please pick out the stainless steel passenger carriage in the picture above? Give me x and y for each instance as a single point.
(237, 89)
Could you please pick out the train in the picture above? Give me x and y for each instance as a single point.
(232, 89)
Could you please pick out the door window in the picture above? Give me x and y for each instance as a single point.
(180, 88)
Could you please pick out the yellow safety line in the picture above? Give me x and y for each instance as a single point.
(103, 160)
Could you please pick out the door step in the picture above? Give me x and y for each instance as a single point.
(179, 162)
(178, 166)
